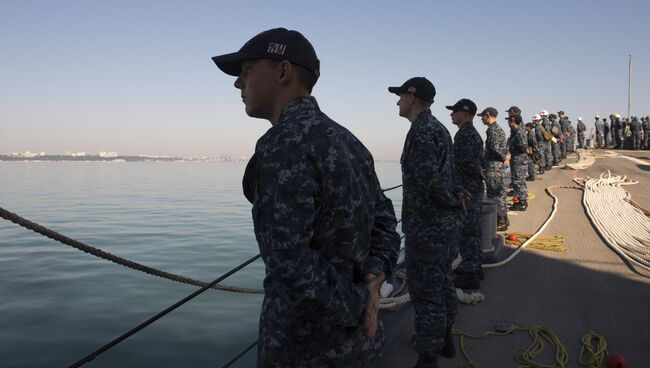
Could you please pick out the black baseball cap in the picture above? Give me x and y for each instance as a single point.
(463, 105)
(516, 118)
(514, 110)
(275, 44)
(421, 87)
(488, 111)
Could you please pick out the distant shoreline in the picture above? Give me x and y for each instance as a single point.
(97, 158)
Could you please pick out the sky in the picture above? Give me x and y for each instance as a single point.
(136, 77)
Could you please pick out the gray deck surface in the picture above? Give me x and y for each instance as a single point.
(589, 287)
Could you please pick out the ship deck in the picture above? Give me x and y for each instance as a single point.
(588, 287)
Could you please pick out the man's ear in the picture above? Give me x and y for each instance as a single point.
(284, 72)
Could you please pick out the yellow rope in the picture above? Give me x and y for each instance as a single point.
(593, 350)
(509, 199)
(553, 243)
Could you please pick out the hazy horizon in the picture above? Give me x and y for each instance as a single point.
(136, 77)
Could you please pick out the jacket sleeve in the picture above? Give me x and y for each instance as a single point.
(500, 144)
(384, 239)
(430, 156)
(284, 214)
(468, 157)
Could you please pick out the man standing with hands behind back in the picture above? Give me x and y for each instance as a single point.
(431, 211)
(468, 153)
(325, 230)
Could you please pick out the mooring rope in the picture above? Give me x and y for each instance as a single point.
(625, 228)
(115, 259)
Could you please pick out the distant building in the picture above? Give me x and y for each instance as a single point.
(75, 154)
(108, 154)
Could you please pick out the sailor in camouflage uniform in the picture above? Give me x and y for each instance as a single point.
(496, 157)
(533, 150)
(431, 213)
(646, 133)
(548, 142)
(468, 153)
(556, 130)
(564, 134)
(518, 147)
(325, 230)
(541, 143)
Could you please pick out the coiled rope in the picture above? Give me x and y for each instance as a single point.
(527, 356)
(587, 158)
(553, 243)
(115, 259)
(624, 227)
(593, 350)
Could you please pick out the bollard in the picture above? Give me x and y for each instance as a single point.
(491, 243)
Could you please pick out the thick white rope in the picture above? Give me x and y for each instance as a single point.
(587, 158)
(625, 228)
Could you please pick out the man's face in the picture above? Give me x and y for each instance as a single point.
(511, 123)
(405, 104)
(485, 118)
(257, 83)
(457, 117)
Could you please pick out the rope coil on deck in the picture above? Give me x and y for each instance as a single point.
(624, 227)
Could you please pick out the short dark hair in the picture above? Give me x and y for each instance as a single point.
(306, 77)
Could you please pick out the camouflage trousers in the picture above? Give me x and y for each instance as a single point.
(557, 154)
(433, 296)
(469, 240)
(518, 170)
(494, 186)
(636, 140)
(548, 156)
(600, 141)
(581, 140)
(563, 146)
(531, 166)
(618, 137)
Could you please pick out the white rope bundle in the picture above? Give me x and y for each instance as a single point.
(625, 228)
(588, 158)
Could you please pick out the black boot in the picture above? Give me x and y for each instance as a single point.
(548, 167)
(426, 361)
(448, 347)
(465, 280)
(520, 206)
(530, 178)
(502, 223)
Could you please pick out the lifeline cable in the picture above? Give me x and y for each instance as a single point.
(159, 315)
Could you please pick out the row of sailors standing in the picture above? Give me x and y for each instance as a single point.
(613, 133)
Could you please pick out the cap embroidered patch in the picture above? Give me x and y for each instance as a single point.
(276, 48)
(466, 108)
(411, 89)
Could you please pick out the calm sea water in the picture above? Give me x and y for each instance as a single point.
(58, 304)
